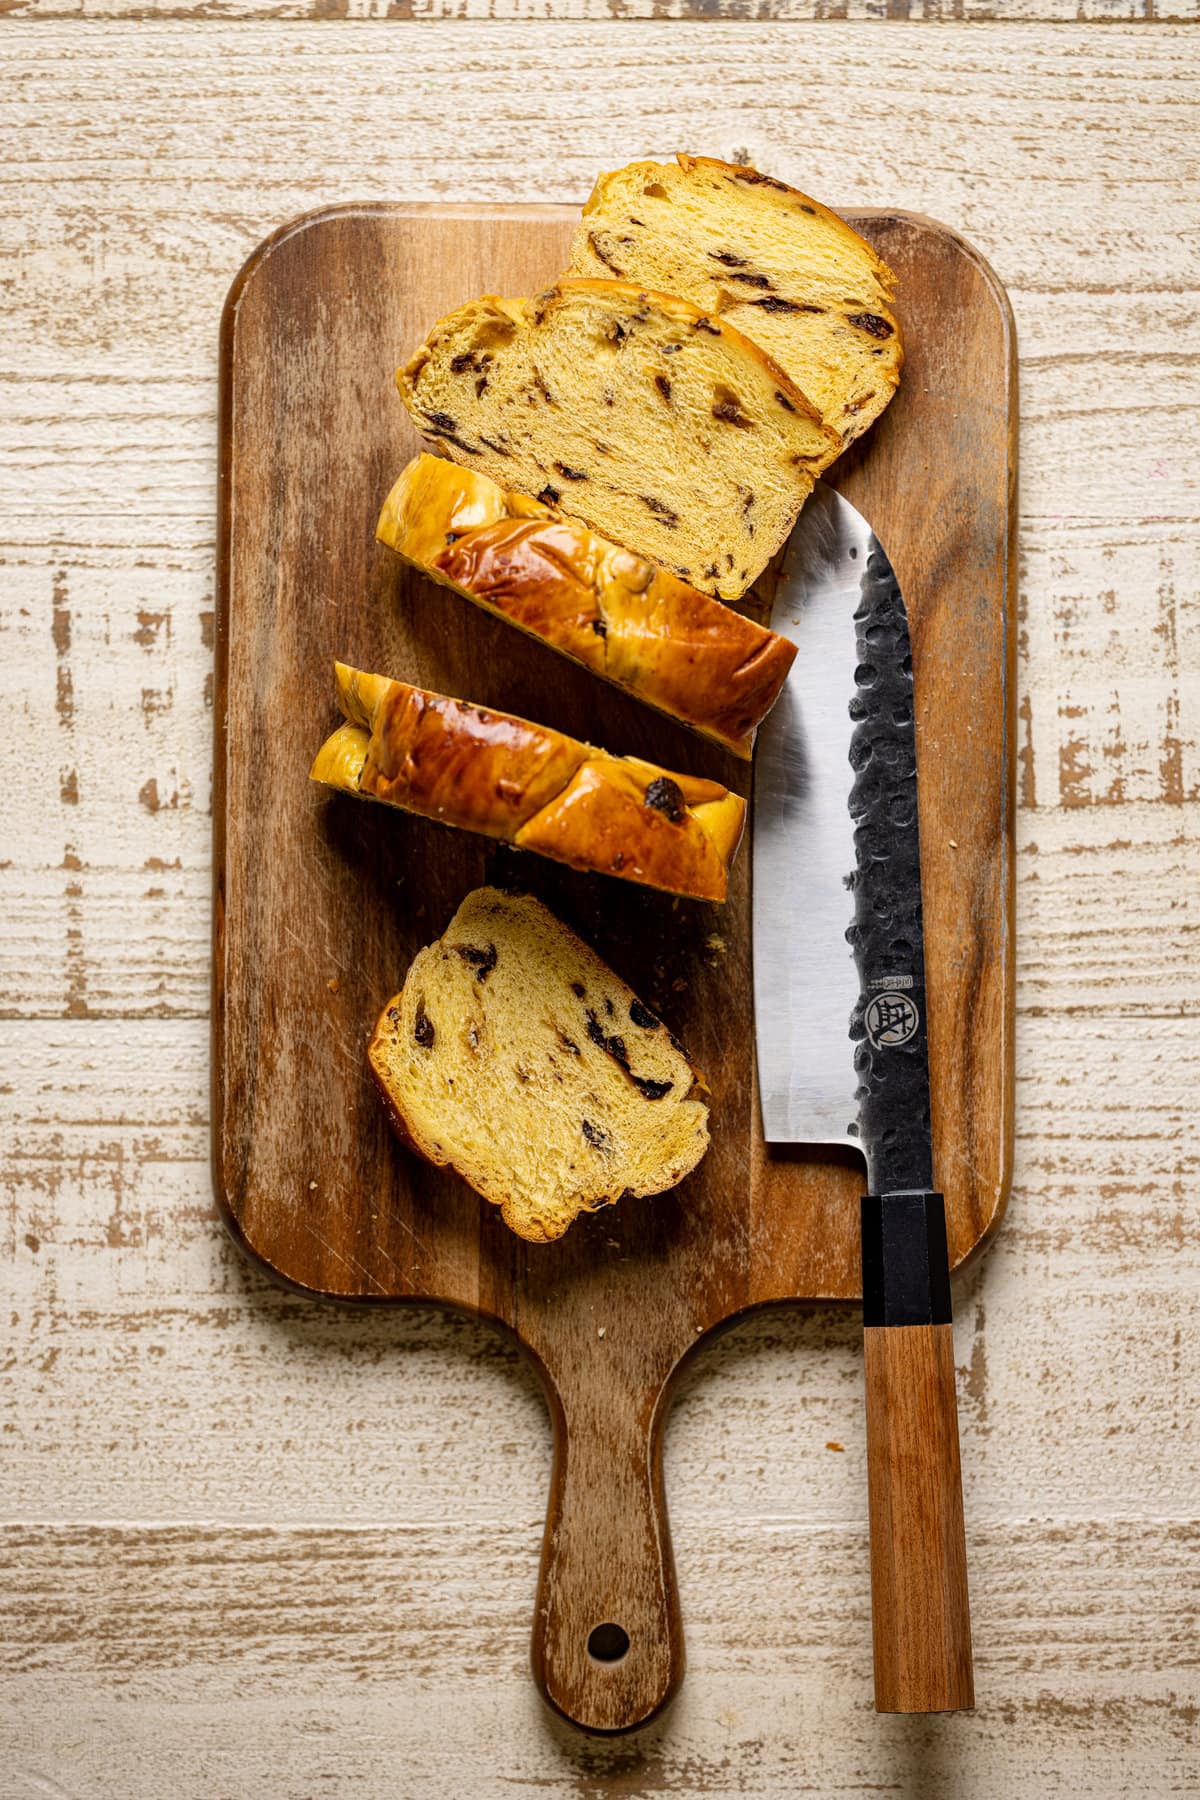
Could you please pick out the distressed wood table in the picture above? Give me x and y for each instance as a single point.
(252, 1546)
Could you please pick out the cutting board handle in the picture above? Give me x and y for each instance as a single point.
(607, 1636)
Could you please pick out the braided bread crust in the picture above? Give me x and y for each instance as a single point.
(627, 621)
(508, 778)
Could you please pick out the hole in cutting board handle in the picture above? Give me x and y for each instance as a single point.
(608, 1643)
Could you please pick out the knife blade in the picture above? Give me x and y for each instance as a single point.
(843, 1054)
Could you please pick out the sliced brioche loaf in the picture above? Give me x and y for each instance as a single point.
(519, 1059)
(515, 1056)
(659, 427)
(764, 258)
(539, 789)
(635, 625)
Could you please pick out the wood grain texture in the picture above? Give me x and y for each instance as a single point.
(920, 1613)
(311, 892)
(328, 1467)
(301, 581)
(162, 1647)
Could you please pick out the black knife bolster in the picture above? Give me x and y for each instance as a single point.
(905, 1266)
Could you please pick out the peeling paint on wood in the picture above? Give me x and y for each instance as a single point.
(888, 12)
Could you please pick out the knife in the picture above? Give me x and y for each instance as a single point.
(843, 1056)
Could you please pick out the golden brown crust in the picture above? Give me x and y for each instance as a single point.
(463, 764)
(601, 821)
(534, 572)
(625, 619)
(494, 773)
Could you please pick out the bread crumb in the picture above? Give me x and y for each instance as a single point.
(715, 946)
(832, 1446)
(312, 1187)
(600, 1330)
(611, 1131)
(953, 843)
(333, 984)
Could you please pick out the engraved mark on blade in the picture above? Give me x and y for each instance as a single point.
(891, 1019)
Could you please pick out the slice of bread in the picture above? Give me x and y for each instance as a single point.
(633, 624)
(661, 428)
(515, 1056)
(539, 789)
(764, 258)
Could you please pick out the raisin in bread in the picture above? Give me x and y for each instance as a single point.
(659, 427)
(515, 1056)
(539, 789)
(664, 642)
(764, 258)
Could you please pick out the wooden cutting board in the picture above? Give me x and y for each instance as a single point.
(321, 902)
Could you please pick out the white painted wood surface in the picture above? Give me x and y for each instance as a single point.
(254, 1547)
(873, 11)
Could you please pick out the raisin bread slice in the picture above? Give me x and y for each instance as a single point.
(764, 258)
(659, 427)
(514, 1055)
(633, 624)
(539, 789)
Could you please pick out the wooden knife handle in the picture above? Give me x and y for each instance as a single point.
(607, 1636)
(919, 1608)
